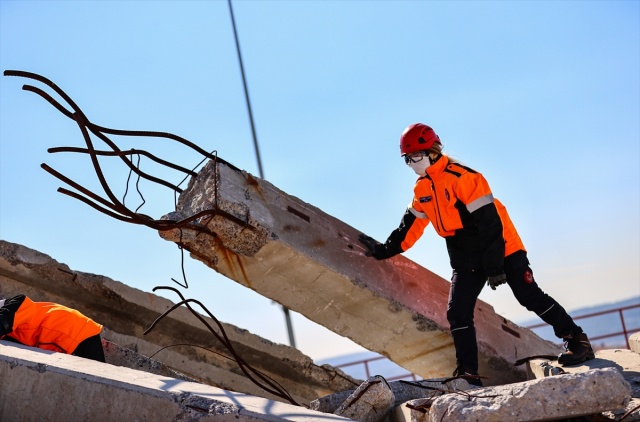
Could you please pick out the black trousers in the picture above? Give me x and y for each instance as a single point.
(465, 289)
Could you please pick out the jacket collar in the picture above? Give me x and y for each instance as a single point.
(438, 167)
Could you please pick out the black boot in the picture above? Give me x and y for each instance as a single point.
(470, 376)
(578, 349)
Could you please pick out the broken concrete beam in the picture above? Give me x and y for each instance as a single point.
(127, 312)
(310, 262)
(402, 391)
(39, 385)
(370, 402)
(549, 398)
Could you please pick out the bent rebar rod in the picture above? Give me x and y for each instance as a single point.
(269, 385)
(112, 206)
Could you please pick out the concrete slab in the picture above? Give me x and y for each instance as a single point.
(127, 312)
(68, 388)
(121, 356)
(312, 263)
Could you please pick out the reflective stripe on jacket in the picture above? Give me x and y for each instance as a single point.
(47, 325)
(459, 203)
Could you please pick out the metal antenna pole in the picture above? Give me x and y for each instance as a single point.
(287, 316)
(246, 93)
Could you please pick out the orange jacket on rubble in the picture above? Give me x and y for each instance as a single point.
(459, 203)
(46, 325)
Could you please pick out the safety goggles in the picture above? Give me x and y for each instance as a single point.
(415, 157)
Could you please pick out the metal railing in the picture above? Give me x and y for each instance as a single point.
(626, 332)
(367, 369)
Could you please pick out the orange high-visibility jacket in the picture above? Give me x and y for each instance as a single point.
(459, 203)
(46, 325)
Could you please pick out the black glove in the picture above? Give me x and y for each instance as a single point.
(496, 280)
(374, 248)
(5, 328)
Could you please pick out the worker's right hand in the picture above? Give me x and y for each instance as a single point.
(374, 248)
(496, 280)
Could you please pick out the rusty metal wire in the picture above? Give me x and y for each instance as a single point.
(184, 275)
(111, 205)
(629, 413)
(464, 377)
(260, 379)
(422, 407)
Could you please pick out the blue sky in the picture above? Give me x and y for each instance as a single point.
(541, 97)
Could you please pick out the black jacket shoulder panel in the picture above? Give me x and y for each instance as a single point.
(7, 313)
(450, 171)
(469, 169)
(457, 169)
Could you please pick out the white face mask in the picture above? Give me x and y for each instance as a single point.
(420, 168)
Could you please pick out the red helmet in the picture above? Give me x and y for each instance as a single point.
(417, 137)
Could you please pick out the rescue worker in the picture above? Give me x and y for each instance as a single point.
(483, 246)
(50, 326)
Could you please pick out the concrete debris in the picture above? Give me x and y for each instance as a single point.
(370, 402)
(414, 410)
(624, 360)
(405, 391)
(38, 385)
(628, 413)
(126, 313)
(402, 391)
(555, 397)
(540, 368)
(297, 255)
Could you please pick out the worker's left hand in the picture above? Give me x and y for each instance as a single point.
(496, 280)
